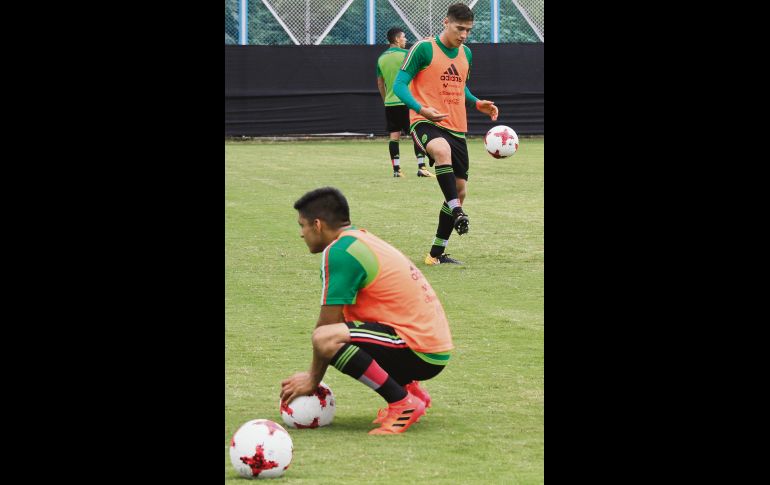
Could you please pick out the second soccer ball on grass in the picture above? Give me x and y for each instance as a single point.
(261, 449)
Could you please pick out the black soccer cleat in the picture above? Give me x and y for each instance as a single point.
(440, 259)
(461, 220)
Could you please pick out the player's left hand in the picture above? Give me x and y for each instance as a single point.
(487, 107)
(300, 384)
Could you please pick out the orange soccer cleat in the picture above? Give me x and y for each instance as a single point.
(400, 415)
(414, 388)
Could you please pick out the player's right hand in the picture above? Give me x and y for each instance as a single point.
(300, 384)
(488, 107)
(432, 113)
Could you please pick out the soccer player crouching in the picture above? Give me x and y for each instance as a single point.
(381, 322)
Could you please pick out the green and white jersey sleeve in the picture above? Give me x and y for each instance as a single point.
(347, 265)
(418, 58)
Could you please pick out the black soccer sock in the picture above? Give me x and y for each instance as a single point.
(445, 226)
(355, 362)
(448, 183)
(420, 155)
(394, 155)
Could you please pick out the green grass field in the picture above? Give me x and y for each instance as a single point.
(487, 420)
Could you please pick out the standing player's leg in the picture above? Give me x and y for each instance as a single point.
(394, 153)
(393, 125)
(460, 166)
(443, 232)
(446, 221)
(436, 143)
(419, 153)
(422, 170)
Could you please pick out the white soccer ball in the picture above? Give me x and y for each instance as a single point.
(261, 449)
(310, 411)
(501, 141)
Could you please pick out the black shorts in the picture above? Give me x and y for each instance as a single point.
(384, 345)
(397, 118)
(424, 132)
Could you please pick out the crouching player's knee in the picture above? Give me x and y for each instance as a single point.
(328, 339)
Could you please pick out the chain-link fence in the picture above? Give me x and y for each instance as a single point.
(308, 22)
(532, 11)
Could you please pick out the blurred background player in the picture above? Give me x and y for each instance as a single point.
(396, 113)
(438, 69)
(366, 282)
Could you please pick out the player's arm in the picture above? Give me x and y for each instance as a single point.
(381, 87)
(380, 81)
(330, 314)
(401, 89)
(343, 275)
(305, 383)
(486, 107)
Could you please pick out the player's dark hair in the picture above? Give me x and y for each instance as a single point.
(392, 34)
(461, 12)
(327, 204)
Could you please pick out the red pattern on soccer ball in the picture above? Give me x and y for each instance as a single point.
(504, 136)
(312, 425)
(321, 393)
(271, 426)
(286, 409)
(487, 136)
(496, 153)
(258, 463)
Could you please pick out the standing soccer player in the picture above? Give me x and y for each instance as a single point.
(381, 322)
(396, 113)
(438, 69)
